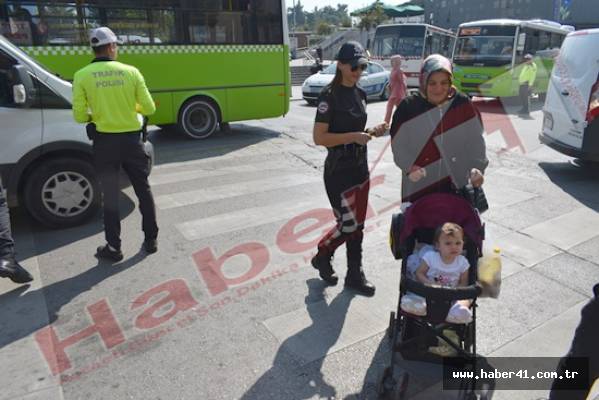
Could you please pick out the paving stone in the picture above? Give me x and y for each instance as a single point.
(567, 230)
(571, 271)
(524, 249)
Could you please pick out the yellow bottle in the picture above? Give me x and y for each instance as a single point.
(489, 273)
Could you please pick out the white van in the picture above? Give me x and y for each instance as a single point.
(571, 112)
(45, 157)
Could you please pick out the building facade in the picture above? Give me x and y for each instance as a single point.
(451, 13)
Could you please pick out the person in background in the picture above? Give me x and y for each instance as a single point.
(526, 79)
(397, 86)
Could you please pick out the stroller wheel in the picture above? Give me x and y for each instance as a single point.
(386, 384)
(485, 393)
(391, 389)
(401, 387)
(391, 327)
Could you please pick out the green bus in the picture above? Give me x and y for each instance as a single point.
(488, 55)
(205, 61)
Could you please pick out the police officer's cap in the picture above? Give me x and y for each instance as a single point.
(101, 36)
(352, 53)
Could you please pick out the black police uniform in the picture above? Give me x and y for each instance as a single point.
(346, 176)
(9, 267)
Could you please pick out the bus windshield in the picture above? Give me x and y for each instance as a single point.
(486, 50)
(405, 40)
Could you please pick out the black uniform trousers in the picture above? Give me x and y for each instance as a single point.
(583, 345)
(347, 182)
(126, 150)
(7, 244)
(524, 94)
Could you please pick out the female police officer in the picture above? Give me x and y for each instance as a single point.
(339, 126)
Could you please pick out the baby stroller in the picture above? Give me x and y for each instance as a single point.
(412, 335)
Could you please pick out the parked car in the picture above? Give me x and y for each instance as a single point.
(375, 81)
(571, 111)
(46, 160)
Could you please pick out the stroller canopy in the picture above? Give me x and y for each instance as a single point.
(431, 211)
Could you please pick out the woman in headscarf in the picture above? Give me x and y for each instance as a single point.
(437, 135)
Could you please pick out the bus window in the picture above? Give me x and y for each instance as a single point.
(247, 22)
(531, 46)
(163, 28)
(384, 47)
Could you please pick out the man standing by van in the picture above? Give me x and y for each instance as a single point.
(108, 95)
(9, 267)
(526, 80)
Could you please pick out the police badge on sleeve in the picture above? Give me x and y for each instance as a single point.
(323, 107)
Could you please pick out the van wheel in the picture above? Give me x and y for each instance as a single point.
(198, 118)
(62, 192)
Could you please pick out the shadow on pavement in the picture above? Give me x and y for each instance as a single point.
(579, 182)
(504, 105)
(47, 239)
(21, 315)
(291, 376)
(171, 146)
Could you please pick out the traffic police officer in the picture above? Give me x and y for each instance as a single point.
(9, 267)
(339, 126)
(526, 79)
(108, 95)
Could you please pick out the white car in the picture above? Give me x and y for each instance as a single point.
(374, 80)
(571, 111)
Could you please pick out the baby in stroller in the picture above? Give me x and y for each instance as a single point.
(443, 266)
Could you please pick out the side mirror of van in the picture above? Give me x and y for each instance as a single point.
(24, 92)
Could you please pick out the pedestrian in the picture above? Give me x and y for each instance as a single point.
(339, 126)
(437, 136)
(397, 86)
(583, 348)
(526, 79)
(108, 96)
(9, 267)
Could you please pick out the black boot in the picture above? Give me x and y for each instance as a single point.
(357, 281)
(355, 278)
(10, 268)
(109, 253)
(322, 262)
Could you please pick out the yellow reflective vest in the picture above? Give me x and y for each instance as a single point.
(528, 74)
(111, 94)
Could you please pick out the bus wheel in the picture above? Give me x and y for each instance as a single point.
(62, 192)
(198, 118)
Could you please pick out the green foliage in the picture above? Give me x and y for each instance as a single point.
(374, 18)
(313, 21)
(324, 29)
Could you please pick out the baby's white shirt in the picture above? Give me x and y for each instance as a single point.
(445, 274)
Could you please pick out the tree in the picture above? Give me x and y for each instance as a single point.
(324, 29)
(300, 15)
(373, 18)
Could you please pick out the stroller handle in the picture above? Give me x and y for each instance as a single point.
(441, 293)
